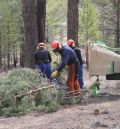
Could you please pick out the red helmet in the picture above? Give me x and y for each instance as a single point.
(55, 45)
(70, 42)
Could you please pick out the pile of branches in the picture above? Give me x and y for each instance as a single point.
(19, 91)
(25, 90)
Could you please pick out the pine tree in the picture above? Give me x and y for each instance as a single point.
(41, 17)
(89, 23)
(73, 20)
(89, 20)
(30, 25)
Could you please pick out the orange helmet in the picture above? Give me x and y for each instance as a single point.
(55, 45)
(70, 42)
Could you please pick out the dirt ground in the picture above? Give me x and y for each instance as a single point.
(102, 112)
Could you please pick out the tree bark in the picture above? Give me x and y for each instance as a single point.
(41, 16)
(118, 24)
(0, 52)
(8, 57)
(30, 26)
(8, 49)
(14, 57)
(22, 55)
(73, 20)
(22, 47)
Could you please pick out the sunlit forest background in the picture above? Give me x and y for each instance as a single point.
(98, 20)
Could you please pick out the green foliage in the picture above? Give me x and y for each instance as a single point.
(55, 60)
(18, 82)
(108, 20)
(10, 18)
(89, 20)
(56, 18)
(46, 101)
(58, 9)
(60, 97)
(10, 27)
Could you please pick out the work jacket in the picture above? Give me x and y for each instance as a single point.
(68, 57)
(42, 56)
(78, 53)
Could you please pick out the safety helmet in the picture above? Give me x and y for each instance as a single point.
(41, 45)
(70, 42)
(55, 45)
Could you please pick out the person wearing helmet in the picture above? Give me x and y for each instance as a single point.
(43, 59)
(68, 58)
(71, 44)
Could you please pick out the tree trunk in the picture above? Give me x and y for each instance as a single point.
(0, 52)
(8, 57)
(22, 55)
(73, 20)
(4, 53)
(87, 51)
(41, 15)
(14, 57)
(30, 25)
(8, 49)
(22, 47)
(118, 24)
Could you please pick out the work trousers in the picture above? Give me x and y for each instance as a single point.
(72, 81)
(80, 76)
(45, 69)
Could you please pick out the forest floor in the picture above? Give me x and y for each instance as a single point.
(101, 112)
(83, 116)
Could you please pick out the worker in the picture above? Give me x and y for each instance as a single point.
(68, 58)
(71, 44)
(43, 59)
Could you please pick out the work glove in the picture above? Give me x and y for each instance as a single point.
(54, 74)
